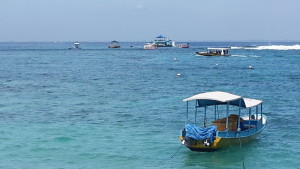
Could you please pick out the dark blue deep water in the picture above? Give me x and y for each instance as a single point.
(122, 108)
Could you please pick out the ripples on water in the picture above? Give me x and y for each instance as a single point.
(122, 108)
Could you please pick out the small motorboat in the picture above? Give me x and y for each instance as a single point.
(183, 45)
(114, 44)
(76, 45)
(238, 125)
(215, 52)
(150, 46)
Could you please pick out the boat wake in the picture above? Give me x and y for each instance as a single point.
(270, 47)
(244, 56)
(241, 56)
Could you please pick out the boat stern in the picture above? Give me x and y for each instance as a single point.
(199, 145)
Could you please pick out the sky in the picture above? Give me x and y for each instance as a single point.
(143, 20)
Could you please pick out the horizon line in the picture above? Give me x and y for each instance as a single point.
(92, 41)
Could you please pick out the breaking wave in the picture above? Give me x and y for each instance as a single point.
(270, 47)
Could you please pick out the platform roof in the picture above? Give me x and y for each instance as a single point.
(221, 98)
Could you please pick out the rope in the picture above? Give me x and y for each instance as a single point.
(242, 152)
(176, 151)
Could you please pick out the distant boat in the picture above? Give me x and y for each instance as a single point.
(183, 45)
(114, 44)
(242, 126)
(215, 52)
(150, 46)
(161, 41)
(76, 45)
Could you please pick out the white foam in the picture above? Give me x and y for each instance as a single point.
(278, 47)
(236, 47)
(254, 56)
(242, 56)
(271, 47)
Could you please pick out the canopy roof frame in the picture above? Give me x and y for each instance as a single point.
(221, 98)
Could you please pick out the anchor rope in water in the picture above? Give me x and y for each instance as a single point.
(176, 151)
(242, 152)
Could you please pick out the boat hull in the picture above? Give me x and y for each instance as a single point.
(225, 139)
(219, 143)
(209, 54)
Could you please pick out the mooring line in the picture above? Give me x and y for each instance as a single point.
(242, 152)
(176, 151)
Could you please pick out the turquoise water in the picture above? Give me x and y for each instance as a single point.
(122, 108)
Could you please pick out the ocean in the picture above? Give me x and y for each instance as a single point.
(122, 108)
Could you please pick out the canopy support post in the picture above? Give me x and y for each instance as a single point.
(215, 112)
(196, 113)
(187, 112)
(239, 118)
(249, 119)
(261, 117)
(256, 117)
(218, 112)
(227, 114)
(205, 116)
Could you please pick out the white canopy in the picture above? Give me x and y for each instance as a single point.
(251, 102)
(219, 98)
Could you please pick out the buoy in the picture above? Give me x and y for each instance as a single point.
(250, 67)
(217, 64)
(174, 59)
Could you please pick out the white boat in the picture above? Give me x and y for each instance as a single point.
(150, 46)
(183, 45)
(215, 52)
(239, 125)
(76, 45)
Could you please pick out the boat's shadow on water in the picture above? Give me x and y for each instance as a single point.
(230, 157)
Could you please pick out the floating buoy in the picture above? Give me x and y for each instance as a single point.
(217, 64)
(250, 67)
(174, 59)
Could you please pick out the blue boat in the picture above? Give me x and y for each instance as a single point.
(243, 120)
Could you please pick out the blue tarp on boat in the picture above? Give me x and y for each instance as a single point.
(199, 133)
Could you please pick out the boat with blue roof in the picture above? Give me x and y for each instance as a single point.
(162, 41)
(241, 121)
